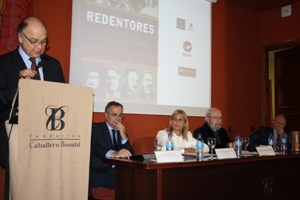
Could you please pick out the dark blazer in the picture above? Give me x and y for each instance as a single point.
(10, 66)
(260, 137)
(206, 132)
(101, 143)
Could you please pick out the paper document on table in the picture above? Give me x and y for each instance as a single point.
(223, 153)
(249, 153)
(206, 154)
(168, 156)
(265, 151)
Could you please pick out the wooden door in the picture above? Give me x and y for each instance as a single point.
(287, 87)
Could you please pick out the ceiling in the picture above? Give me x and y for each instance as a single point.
(262, 5)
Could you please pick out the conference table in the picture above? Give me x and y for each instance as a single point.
(253, 177)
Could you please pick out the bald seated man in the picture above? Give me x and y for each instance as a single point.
(260, 137)
(212, 128)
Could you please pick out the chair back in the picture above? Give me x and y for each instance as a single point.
(102, 193)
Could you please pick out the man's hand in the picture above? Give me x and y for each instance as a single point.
(279, 130)
(120, 127)
(123, 153)
(189, 150)
(27, 74)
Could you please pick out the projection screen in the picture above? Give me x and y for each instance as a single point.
(153, 56)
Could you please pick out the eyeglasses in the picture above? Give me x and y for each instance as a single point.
(121, 115)
(215, 118)
(36, 42)
(177, 120)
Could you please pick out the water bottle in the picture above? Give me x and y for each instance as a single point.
(200, 147)
(271, 141)
(238, 146)
(170, 143)
(284, 143)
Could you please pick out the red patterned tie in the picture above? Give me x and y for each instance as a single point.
(34, 67)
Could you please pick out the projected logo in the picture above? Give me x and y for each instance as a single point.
(185, 24)
(191, 26)
(187, 46)
(186, 71)
(180, 23)
(55, 115)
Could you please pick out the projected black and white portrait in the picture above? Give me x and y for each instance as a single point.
(129, 88)
(147, 91)
(92, 78)
(112, 81)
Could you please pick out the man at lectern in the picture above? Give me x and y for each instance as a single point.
(109, 139)
(28, 61)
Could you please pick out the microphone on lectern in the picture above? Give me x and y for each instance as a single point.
(39, 64)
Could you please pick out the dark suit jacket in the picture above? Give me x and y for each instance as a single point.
(260, 137)
(206, 132)
(10, 66)
(101, 143)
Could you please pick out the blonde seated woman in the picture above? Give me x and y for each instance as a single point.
(183, 138)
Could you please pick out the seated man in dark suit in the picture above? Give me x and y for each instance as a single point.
(260, 137)
(109, 139)
(212, 128)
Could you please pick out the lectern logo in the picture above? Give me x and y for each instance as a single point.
(267, 183)
(55, 115)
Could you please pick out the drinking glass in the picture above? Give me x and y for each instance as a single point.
(158, 144)
(211, 144)
(246, 141)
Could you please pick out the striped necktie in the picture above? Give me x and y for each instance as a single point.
(34, 67)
